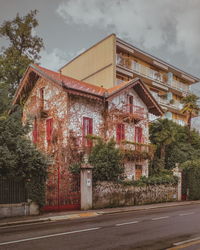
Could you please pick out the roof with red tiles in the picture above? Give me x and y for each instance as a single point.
(87, 89)
(70, 82)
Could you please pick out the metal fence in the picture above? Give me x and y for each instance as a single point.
(12, 191)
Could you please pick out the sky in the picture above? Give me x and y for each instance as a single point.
(168, 29)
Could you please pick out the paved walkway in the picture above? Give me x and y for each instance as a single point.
(55, 216)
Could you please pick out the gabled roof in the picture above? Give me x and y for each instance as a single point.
(82, 88)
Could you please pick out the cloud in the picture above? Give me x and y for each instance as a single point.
(56, 58)
(167, 28)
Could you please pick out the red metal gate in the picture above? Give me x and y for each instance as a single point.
(63, 191)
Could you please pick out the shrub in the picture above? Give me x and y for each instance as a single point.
(106, 160)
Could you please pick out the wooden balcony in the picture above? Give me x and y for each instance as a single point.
(80, 143)
(130, 112)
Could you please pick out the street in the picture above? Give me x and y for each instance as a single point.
(150, 229)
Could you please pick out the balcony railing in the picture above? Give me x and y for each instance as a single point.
(154, 75)
(133, 111)
(80, 142)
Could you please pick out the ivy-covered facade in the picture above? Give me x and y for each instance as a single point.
(64, 112)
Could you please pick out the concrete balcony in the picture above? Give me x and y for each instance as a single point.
(129, 64)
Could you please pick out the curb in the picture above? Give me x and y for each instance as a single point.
(97, 213)
(49, 219)
(161, 205)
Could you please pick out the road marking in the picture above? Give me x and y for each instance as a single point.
(186, 214)
(126, 223)
(186, 241)
(160, 218)
(49, 236)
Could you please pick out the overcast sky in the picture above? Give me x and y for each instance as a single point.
(168, 29)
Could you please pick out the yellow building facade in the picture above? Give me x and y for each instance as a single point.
(112, 60)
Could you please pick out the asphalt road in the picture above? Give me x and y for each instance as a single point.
(151, 229)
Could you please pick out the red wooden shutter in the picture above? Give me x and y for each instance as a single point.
(87, 129)
(35, 131)
(138, 134)
(120, 132)
(49, 129)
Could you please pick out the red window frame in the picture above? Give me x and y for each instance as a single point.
(120, 132)
(49, 129)
(87, 130)
(138, 134)
(35, 131)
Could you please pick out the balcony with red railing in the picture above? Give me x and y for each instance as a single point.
(133, 112)
(80, 143)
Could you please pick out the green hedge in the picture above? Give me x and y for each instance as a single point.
(191, 179)
(153, 180)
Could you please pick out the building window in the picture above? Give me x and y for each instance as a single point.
(130, 104)
(87, 130)
(138, 134)
(120, 132)
(42, 98)
(35, 131)
(49, 129)
(138, 172)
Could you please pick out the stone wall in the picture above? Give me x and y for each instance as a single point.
(107, 194)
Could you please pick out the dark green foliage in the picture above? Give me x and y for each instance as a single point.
(190, 108)
(20, 159)
(191, 183)
(106, 160)
(23, 48)
(162, 179)
(178, 144)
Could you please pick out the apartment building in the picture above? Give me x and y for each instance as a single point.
(112, 61)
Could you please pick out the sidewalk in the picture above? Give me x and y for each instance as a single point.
(66, 215)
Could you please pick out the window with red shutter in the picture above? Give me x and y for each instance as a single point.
(120, 132)
(87, 130)
(35, 131)
(130, 104)
(138, 134)
(49, 129)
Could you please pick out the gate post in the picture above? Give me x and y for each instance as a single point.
(86, 186)
(177, 172)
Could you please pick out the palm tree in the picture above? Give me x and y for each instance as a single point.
(190, 107)
(162, 134)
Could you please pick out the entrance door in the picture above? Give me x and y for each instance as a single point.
(138, 172)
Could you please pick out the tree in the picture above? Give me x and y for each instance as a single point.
(23, 48)
(18, 156)
(162, 134)
(190, 107)
(106, 160)
(20, 159)
(177, 143)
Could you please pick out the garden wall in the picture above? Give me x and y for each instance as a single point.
(108, 194)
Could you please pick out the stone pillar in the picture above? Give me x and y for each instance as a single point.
(86, 187)
(177, 172)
